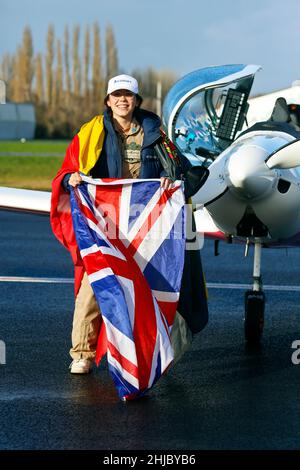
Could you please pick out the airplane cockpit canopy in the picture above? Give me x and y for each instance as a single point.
(205, 109)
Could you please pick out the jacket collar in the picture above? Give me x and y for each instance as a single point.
(149, 121)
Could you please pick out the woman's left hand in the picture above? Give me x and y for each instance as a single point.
(166, 183)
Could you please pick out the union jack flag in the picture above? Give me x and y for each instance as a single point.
(131, 236)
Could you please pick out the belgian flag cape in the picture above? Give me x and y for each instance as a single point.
(81, 155)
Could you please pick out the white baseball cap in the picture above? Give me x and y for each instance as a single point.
(123, 82)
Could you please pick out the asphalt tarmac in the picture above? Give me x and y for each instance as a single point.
(220, 395)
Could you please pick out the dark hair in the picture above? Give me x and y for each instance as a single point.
(139, 101)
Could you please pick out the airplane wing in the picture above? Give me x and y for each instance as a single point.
(38, 202)
(25, 200)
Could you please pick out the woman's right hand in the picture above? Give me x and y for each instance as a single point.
(75, 179)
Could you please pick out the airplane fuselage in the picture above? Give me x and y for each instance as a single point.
(254, 200)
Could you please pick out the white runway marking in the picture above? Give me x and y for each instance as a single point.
(48, 280)
(210, 285)
(217, 285)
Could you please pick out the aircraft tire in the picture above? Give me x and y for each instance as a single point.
(254, 316)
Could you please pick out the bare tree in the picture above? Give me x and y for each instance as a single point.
(86, 63)
(49, 63)
(57, 115)
(97, 80)
(76, 61)
(5, 69)
(16, 83)
(6, 72)
(148, 80)
(27, 63)
(19, 69)
(67, 66)
(112, 67)
(57, 91)
(167, 78)
(39, 79)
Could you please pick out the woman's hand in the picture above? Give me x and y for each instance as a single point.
(75, 179)
(166, 183)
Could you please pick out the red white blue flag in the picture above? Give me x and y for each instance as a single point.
(131, 236)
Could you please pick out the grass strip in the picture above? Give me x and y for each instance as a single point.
(29, 172)
(34, 146)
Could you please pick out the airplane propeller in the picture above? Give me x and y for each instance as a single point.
(254, 177)
(286, 157)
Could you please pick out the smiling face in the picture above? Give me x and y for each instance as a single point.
(122, 104)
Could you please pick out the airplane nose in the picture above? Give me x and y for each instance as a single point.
(248, 175)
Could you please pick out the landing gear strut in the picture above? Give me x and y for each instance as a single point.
(255, 302)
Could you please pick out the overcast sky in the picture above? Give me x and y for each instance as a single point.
(182, 35)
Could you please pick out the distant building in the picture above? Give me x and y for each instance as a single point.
(17, 120)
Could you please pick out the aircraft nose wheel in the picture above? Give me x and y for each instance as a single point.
(255, 302)
(254, 316)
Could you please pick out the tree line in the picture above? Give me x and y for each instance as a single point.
(67, 83)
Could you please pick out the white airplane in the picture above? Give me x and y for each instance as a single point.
(261, 107)
(252, 193)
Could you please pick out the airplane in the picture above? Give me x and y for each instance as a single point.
(252, 192)
(253, 174)
(261, 106)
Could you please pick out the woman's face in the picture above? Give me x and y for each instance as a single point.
(122, 103)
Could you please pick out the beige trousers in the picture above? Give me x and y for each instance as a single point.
(86, 323)
(87, 320)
